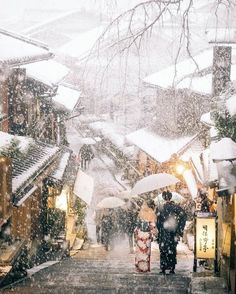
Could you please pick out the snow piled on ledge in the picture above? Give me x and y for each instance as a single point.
(5, 141)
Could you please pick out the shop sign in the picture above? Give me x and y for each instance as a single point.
(205, 237)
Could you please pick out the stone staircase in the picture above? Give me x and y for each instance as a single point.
(98, 271)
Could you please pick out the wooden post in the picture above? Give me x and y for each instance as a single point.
(216, 248)
(195, 245)
(5, 187)
(221, 70)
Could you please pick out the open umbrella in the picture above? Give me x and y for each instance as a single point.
(110, 202)
(154, 182)
(176, 197)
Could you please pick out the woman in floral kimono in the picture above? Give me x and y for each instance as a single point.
(145, 231)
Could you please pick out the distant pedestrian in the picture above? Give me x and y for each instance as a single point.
(107, 228)
(98, 223)
(86, 155)
(205, 202)
(128, 220)
(145, 231)
(170, 225)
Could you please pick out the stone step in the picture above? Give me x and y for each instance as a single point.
(101, 290)
(98, 271)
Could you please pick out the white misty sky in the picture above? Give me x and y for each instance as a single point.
(14, 9)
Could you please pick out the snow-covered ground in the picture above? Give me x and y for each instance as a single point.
(102, 169)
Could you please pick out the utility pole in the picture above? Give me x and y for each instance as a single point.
(221, 68)
(222, 41)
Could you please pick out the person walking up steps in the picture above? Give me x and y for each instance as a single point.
(145, 231)
(170, 225)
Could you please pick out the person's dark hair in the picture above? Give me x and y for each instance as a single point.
(167, 195)
(203, 195)
(151, 204)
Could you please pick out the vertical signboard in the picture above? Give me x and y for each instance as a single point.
(205, 237)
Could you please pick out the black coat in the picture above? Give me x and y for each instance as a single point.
(170, 223)
(172, 219)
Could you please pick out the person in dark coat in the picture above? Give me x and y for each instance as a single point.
(205, 203)
(86, 155)
(128, 221)
(98, 222)
(107, 228)
(170, 224)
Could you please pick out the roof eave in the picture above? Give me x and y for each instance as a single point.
(26, 60)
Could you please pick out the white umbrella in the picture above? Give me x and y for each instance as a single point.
(110, 202)
(154, 182)
(176, 197)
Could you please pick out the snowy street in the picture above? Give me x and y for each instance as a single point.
(118, 146)
(95, 270)
(103, 170)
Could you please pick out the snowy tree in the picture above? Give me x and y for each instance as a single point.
(146, 38)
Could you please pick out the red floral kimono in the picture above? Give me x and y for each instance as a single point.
(144, 233)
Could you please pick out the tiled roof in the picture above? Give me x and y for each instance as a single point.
(28, 167)
(66, 97)
(34, 157)
(48, 72)
(159, 148)
(18, 50)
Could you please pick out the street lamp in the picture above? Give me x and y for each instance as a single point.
(181, 167)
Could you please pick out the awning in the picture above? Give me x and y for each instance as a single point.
(59, 171)
(23, 198)
(48, 72)
(83, 187)
(66, 97)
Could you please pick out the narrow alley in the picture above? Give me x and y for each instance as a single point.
(95, 270)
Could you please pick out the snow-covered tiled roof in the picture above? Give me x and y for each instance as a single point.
(159, 148)
(67, 97)
(202, 85)
(61, 167)
(37, 157)
(222, 36)
(110, 131)
(193, 154)
(18, 50)
(173, 74)
(183, 75)
(48, 72)
(82, 44)
(5, 141)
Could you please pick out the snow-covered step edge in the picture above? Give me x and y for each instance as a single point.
(44, 265)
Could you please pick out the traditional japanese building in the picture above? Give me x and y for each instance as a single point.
(36, 188)
(16, 50)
